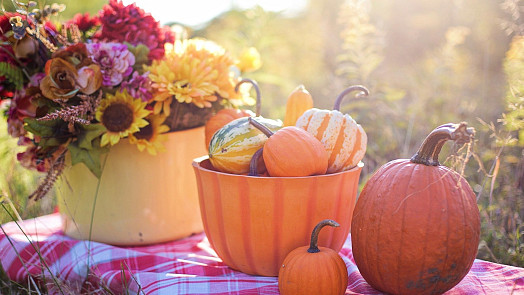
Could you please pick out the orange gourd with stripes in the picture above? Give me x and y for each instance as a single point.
(344, 139)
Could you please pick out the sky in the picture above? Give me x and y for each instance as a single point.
(197, 12)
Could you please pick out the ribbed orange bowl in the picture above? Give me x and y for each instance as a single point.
(254, 222)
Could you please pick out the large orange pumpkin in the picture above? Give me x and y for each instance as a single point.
(227, 115)
(313, 270)
(344, 139)
(292, 152)
(416, 224)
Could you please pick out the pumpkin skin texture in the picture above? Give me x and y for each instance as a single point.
(313, 270)
(416, 224)
(344, 139)
(232, 146)
(292, 152)
(221, 118)
(297, 103)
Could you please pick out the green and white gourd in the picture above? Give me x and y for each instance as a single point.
(232, 147)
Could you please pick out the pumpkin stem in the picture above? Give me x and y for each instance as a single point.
(260, 127)
(363, 92)
(313, 246)
(253, 164)
(428, 152)
(255, 85)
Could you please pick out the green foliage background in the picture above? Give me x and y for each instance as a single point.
(426, 63)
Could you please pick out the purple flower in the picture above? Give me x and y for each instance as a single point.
(138, 86)
(115, 61)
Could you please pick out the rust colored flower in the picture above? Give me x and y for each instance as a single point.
(75, 54)
(63, 80)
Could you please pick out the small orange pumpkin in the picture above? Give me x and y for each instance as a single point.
(227, 115)
(313, 270)
(344, 139)
(292, 152)
(416, 224)
(297, 103)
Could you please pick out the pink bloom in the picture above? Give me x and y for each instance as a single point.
(22, 106)
(115, 61)
(138, 86)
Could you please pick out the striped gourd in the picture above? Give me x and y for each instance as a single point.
(232, 147)
(344, 139)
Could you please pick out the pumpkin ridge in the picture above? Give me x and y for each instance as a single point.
(365, 204)
(317, 124)
(429, 180)
(357, 143)
(381, 190)
(338, 156)
(312, 155)
(399, 257)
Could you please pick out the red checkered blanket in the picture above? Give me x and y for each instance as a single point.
(189, 266)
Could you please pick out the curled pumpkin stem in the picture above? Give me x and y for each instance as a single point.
(257, 90)
(429, 150)
(313, 246)
(363, 91)
(253, 165)
(260, 127)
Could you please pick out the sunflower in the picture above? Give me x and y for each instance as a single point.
(122, 115)
(151, 136)
(193, 71)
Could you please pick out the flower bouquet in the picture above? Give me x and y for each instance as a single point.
(74, 91)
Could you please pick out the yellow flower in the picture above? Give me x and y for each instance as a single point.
(122, 115)
(151, 136)
(194, 71)
(249, 60)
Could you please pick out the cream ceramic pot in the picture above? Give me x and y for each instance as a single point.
(142, 199)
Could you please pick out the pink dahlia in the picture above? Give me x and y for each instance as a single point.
(131, 24)
(138, 86)
(115, 61)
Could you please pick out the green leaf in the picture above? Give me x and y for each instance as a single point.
(141, 53)
(40, 128)
(89, 134)
(90, 158)
(12, 73)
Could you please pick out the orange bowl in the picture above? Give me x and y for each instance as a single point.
(254, 222)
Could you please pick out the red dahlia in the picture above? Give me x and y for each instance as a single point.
(131, 24)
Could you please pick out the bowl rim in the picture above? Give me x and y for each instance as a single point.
(197, 161)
